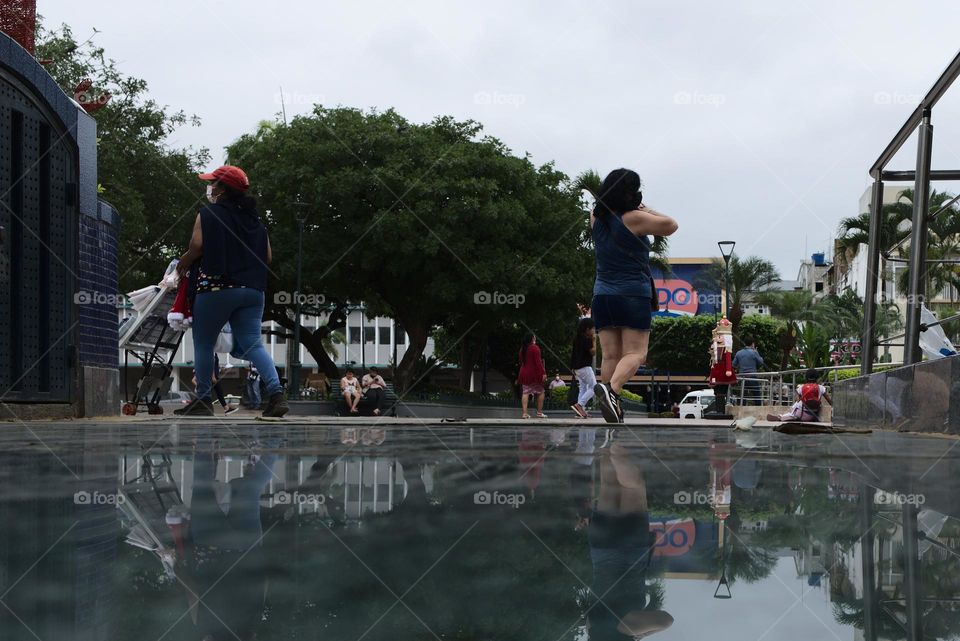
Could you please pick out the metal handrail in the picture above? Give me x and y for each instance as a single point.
(936, 92)
(769, 388)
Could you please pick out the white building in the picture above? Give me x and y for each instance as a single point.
(366, 342)
(850, 272)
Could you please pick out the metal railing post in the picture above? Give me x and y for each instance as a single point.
(918, 243)
(868, 347)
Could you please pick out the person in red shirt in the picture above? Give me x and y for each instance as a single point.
(810, 397)
(532, 376)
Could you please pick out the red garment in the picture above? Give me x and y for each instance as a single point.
(532, 370)
(181, 314)
(810, 392)
(722, 373)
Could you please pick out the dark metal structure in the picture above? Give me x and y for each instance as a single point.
(39, 210)
(921, 176)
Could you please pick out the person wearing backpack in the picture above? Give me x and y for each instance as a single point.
(810, 397)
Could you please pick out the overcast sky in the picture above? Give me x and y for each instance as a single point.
(749, 121)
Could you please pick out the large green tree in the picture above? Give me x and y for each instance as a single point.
(433, 224)
(151, 181)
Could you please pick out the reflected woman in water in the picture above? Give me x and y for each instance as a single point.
(621, 549)
(225, 579)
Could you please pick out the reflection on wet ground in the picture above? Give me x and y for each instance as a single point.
(163, 531)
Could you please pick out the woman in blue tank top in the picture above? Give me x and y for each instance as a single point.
(623, 294)
(230, 252)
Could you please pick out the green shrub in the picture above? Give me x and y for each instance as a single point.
(559, 394)
(767, 332)
(851, 372)
(630, 396)
(681, 344)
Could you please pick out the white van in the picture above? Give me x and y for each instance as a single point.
(694, 403)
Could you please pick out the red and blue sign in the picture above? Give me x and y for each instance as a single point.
(677, 297)
(685, 545)
(686, 292)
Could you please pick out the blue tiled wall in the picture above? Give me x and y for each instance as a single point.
(99, 236)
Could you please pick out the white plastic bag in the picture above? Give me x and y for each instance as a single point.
(142, 297)
(224, 343)
(933, 341)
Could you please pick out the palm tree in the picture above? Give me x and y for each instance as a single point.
(590, 181)
(943, 242)
(747, 275)
(793, 307)
(943, 238)
(842, 317)
(855, 231)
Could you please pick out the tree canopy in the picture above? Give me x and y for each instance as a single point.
(433, 224)
(150, 181)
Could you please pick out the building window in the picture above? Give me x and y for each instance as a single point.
(401, 335)
(369, 334)
(384, 335)
(279, 339)
(818, 286)
(354, 334)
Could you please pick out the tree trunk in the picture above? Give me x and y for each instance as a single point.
(736, 315)
(469, 355)
(788, 340)
(309, 338)
(417, 341)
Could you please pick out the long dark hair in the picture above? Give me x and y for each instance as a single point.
(527, 341)
(239, 199)
(619, 192)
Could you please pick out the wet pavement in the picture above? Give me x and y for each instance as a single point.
(350, 530)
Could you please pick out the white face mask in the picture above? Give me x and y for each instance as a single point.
(210, 194)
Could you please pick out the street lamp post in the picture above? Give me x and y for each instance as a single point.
(726, 250)
(301, 215)
(719, 350)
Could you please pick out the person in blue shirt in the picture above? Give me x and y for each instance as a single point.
(748, 361)
(624, 295)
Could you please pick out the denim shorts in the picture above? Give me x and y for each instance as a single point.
(616, 310)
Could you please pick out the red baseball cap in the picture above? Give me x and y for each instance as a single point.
(230, 176)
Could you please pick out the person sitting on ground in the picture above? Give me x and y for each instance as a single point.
(374, 389)
(810, 397)
(557, 382)
(350, 388)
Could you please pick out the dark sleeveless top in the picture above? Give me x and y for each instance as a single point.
(234, 246)
(623, 259)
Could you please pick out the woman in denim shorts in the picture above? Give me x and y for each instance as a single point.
(623, 294)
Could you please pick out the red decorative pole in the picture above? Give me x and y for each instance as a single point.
(18, 19)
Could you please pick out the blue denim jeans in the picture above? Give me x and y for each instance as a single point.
(243, 308)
